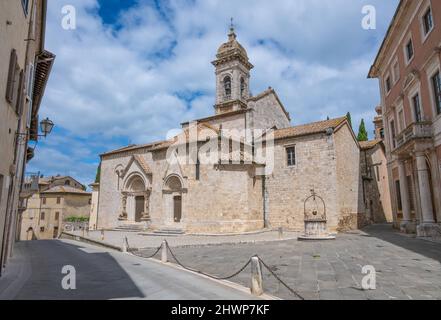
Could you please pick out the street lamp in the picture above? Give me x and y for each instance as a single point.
(46, 127)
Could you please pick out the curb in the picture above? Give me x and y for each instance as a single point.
(70, 236)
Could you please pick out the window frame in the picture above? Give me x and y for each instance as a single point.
(293, 161)
(393, 133)
(401, 119)
(408, 60)
(396, 77)
(436, 98)
(388, 83)
(425, 34)
(413, 100)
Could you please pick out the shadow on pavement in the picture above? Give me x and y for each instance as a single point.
(98, 275)
(385, 232)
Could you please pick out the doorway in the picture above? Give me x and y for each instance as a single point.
(55, 236)
(177, 203)
(139, 208)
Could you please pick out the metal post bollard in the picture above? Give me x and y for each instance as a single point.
(124, 246)
(256, 277)
(102, 235)
(280, 232)
(164, 252)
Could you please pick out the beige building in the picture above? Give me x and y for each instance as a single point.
(24, 71)
(49, 207)
(408, 68)
(154, 186)
(376, 195)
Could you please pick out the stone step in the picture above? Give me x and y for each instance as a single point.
(169, 231)
(130, 228)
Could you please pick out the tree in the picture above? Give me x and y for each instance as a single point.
(98, 174)
(348, 116)
(362, 133)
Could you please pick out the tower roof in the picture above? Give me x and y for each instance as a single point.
(231, 46)
(232, 49)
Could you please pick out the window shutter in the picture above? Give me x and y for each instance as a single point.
(11, 76)
(20, 97)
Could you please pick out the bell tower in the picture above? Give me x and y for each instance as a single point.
(232, 75)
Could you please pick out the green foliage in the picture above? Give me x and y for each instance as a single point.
(77, 219)
(348, 115)
(362, 133)
(98, 174)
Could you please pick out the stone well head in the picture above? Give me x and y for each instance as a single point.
(315, 218)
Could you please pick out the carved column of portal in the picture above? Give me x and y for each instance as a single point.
(146, 213)
(123, 215)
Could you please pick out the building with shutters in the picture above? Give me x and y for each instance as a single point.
(408, 69)
(24, 70)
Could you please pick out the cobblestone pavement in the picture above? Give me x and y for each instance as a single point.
(139, 240)
(406, 268)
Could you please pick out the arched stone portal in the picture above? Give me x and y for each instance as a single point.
(173, 190)
(135, 200)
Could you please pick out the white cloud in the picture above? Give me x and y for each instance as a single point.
(127, 82)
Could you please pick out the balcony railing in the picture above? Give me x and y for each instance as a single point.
(419, 130)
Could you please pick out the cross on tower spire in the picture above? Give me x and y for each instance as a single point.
(232, 34)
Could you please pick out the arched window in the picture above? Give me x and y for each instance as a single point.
(67, 183)
(227, 86)
(242, 87)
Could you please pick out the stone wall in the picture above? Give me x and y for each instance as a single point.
(225, 199)
(349, 184)
(288, 187)
(267, 113)
(376, 185)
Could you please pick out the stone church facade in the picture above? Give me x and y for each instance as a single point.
(140, 186)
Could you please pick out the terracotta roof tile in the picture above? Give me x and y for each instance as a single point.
(65, 189)
(310, 128)
(365, 145)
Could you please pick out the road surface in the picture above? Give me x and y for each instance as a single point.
(35, 272)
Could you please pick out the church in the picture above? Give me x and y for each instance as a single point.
(140, 187)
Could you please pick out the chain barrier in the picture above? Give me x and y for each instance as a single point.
(203, 273)
(211, 276)
(280, 280)
(134, 252)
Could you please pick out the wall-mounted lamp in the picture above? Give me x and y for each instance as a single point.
(46, 127)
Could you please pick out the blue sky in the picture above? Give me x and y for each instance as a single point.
(134, 69)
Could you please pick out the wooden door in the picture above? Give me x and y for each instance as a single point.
(177, 201)
(139, 208)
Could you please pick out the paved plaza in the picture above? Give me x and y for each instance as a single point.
(406, 268)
